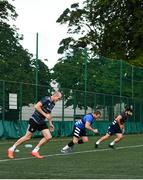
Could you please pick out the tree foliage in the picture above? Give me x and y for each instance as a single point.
(111, 28)
(14, 59)
(16, 63)
(7, 11)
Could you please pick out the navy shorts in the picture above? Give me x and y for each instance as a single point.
(33, 126)
(77, 132)
(114, 129)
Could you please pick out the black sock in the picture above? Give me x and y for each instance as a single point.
(80, 141)
(70, 144)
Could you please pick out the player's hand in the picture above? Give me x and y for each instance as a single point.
(123, 130)
(95, 131)
(52, 128)
(48, 116)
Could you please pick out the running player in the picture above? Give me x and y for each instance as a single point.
(37, 123)
(117, 127)
(79, 131)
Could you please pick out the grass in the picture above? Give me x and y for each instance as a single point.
(125, 162)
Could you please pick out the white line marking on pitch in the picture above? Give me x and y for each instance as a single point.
(78, 152)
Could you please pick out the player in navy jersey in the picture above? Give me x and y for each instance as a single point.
(117, 127)
(79, 130)
(37, 123)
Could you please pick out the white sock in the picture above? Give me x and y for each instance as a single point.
(36, 149)
(66, 147)
(13, 148)
(98, 142)
(112, 143)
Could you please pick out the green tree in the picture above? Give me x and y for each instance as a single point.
(68, 72)
(14, 59)
(16, 63)
(113, 29)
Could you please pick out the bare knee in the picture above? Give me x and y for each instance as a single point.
(103, 138)
(119, 137)
(85, 140)
(47, 137)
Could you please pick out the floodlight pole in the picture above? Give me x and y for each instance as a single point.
(36, 66)
(121, 69)
(85, 78)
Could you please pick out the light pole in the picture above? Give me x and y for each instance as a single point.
(121, 69)
(85, 78)
(36, 79)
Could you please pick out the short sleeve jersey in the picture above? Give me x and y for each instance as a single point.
(47, 106)
(86, 118)
(124, 117)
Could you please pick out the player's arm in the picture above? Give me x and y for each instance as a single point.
(118, 120)
(88, 126)
(38, 107)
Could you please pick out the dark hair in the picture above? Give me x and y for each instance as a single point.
(128, 108)
(97, 112)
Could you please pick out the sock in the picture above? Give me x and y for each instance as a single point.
(98, 142)
(36, 149)
(70, 144)
(13, 148)
(112, 143)
(80, 141)
(66, 147)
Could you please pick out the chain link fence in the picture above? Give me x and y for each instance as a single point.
(119, 84)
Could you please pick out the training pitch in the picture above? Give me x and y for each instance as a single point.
(85, 162)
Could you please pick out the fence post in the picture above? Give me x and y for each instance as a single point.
(95, 105)
(74, 108)
(63, 109)
(104, 107)
(132, 81)
(85, 79)
(62, 123)
(3, 101)
(36, 79)
(20, 102)
(121, 69)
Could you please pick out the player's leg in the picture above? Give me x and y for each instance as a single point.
(31, 128)
(26, 137)
(70, 145)
(118, 138)
(103, 138)
(75, 139)
(83, 139)
(111, 131)
(47, 137)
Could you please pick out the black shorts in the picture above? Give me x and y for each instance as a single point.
(114, 129)
(77, 132)
(33, 126)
